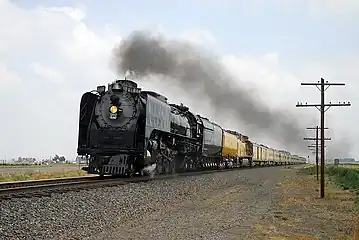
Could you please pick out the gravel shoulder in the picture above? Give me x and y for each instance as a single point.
(245, 204)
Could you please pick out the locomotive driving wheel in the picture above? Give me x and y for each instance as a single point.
(165, 166)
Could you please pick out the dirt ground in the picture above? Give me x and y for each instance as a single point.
(275, 203)
(262, 203)
(302, 214)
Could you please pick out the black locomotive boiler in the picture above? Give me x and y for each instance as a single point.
(123, 130)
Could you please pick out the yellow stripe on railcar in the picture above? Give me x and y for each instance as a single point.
(230, 145)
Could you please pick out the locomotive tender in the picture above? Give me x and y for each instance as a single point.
(126, 131)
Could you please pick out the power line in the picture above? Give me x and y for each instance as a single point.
(321, 107)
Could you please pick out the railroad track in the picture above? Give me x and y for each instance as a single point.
(14, 184)
(42, 188)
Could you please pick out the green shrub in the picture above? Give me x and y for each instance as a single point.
(347, 178)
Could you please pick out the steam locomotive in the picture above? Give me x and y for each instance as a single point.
(126, 131)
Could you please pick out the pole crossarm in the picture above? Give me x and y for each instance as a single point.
(325, 84)
(328, 105)
(314, 139)
(344, 104)
(322, 84)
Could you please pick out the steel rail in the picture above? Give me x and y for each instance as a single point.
(13, 184)
(40, 188)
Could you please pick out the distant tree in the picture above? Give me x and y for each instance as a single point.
(59, 159)
(62, 159)
(56, 158)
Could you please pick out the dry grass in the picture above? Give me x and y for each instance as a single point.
(295, 238)
(355, 166)
(39, 166)
(356, 230)
(302, 214)
(272, 233)
(22, 176)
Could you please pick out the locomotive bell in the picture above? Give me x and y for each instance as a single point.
(117, 87)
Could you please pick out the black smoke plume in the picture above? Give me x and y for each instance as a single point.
(193, 69)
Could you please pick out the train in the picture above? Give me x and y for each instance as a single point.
(124, 130)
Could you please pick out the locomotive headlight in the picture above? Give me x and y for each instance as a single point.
(113, 109)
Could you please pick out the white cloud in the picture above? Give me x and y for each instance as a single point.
(75, 13)
(47, 73)
(55, 57)
(8, 79)
(49, 57)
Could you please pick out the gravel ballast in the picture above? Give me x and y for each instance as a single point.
(215, 206)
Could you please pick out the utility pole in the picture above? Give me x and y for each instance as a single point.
(317, 151)
(316, 148)
(321, 108)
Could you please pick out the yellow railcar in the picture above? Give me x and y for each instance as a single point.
(270, 154)
(241, 149)
(302, 160)
(229, 145)
(283, 157)
(280, 156)
(290, 158)
(255, 152)
(276, 156)
(264, 153)
(259, 152)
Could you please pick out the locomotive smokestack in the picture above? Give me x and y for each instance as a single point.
(181, 63)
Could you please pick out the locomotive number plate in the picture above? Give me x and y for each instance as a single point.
(113, 116)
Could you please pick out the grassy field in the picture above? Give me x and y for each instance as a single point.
(344, 176)
(22, 176)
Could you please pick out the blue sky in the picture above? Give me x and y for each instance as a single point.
(50, 58)
(238, 25)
